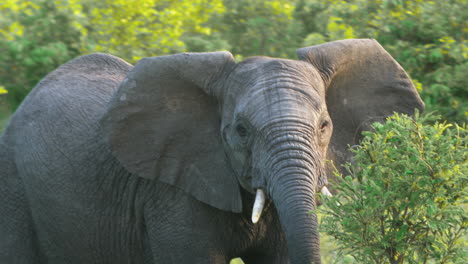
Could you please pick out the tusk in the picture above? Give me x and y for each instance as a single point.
(258, 206)
(326, 192)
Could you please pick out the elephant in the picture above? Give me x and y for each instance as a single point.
(190, 157)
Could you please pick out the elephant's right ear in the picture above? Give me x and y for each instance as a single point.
(163, 123)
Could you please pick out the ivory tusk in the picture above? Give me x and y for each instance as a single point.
(326, 192)
(258, 206)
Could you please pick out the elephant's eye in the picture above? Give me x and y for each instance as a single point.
(241, 131)
(325, 123)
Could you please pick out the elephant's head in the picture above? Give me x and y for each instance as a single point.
(209, 126)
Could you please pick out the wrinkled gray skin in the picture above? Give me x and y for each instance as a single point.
(158, 163)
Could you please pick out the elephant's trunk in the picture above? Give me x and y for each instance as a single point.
(295, 168)
(294, 203)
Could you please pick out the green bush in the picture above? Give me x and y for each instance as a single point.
(35, 38)
(405, 198)
(428, 38)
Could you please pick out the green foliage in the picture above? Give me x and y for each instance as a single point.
(4, 114)
(428, 38)
(405, 198)
(144, 28)
(35, 37)
(258, 27)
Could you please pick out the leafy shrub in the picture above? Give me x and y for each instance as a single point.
(405, 198)
(428, 38)
(35, 38)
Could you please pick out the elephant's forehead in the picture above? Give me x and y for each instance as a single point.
(265, 88)
(269, 77)
(281, 84)
(277, 102)
(263, 67)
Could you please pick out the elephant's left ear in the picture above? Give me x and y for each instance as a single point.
(363, 84)
(163, 123)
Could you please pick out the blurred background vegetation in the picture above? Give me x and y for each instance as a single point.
(428, 38)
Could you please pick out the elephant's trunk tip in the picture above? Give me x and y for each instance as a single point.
(258, 206)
